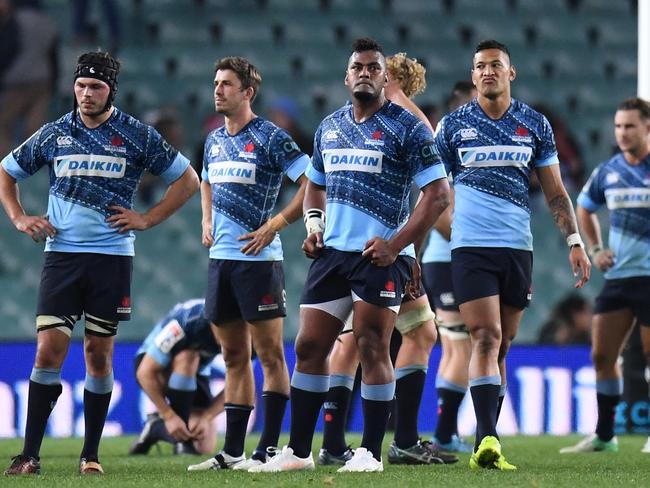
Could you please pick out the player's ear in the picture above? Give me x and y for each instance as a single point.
(513, 73)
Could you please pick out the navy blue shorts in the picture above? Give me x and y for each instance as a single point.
(438, 284)
(77, 283)
(479, 272)
(203, 396)
(632, 293)
(336, 274)
(249, 290)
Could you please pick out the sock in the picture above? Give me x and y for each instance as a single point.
(236, 422)
(180, 392)
(308, 392)
(485, 396)
(408, 394)
(336, 408)
(608, 394)
(97, 396)
(44, 389)
(450, 396)
(502, 394)
(376, 401)
(274, 407)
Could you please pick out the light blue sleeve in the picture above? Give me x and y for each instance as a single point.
(176, 169)
(298, 167)
(314, 175)
(12, 168)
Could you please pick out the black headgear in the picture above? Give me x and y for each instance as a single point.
(101, 66)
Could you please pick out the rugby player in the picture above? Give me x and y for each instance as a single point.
(243, 166)
(623, 185)
(95, 155)
(366, 155)
(172, 366)
(490, 146)
(406, 79)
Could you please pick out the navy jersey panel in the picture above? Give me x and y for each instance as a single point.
(368, 169)
(625, 190)
(184, 327)
(491, 161)
(90, 171)
(245, 173)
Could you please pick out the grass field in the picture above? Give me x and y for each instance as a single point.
(538, 460)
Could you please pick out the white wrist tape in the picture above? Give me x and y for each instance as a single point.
(574, 240)
(314, 220)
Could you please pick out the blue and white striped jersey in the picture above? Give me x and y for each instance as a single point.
(625, 190)
(367, 169)
(491, 161)
(245, 172)
(90, 171)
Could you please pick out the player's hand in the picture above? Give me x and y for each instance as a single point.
(413, 286)
(313, 245)
(206, 234)
(580, 264)
(176, 427)
(199, 426)
(258, 239)
(126, 219)
(379, 252)
(36, 227)
(604, 259)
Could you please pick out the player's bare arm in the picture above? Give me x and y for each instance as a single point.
(149, 376)
(435, 199)
(36, 227)
(264, 235)
(590, 228)
(562, 210)
(206, 212)
(176, 195)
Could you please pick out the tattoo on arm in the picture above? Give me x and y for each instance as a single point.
(562, 210)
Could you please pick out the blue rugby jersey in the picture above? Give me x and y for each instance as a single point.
(183, 328)
(625, 189)
(490, 161)
(367, 169)
(245, 173)
(89, 172)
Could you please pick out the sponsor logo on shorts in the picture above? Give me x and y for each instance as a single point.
(447, 298)
(232, 172)
(364, 160)
(491, 156)
(389, 290)
(468, 134)
(89, 165)
(125, 305)
(330, 406)
(627, 198)
(267, 303)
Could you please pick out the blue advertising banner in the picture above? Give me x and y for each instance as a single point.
(550, 390)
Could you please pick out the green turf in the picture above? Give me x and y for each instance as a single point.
(538, 460)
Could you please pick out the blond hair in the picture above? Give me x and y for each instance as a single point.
(408, 73)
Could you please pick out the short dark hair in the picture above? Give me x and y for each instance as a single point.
(366, 44)
(245, 70)
(492, 44)
(636, 103)
(459, 94)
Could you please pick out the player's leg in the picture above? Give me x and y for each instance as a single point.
(644, 324)
(343, 365)
(510, 319)
(451, 379)
(268, 344)
(59, 307)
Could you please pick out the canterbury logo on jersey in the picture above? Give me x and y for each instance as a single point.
(89, 165)
(627, 198)
(364, 160)
(232, 172)
(486, 156)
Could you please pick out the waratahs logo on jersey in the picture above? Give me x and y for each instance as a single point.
(249, 151)
(490, 156)
(363, 160)
(89, 165)
(231, 172)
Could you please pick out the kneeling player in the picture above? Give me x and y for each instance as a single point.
(172, 365)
